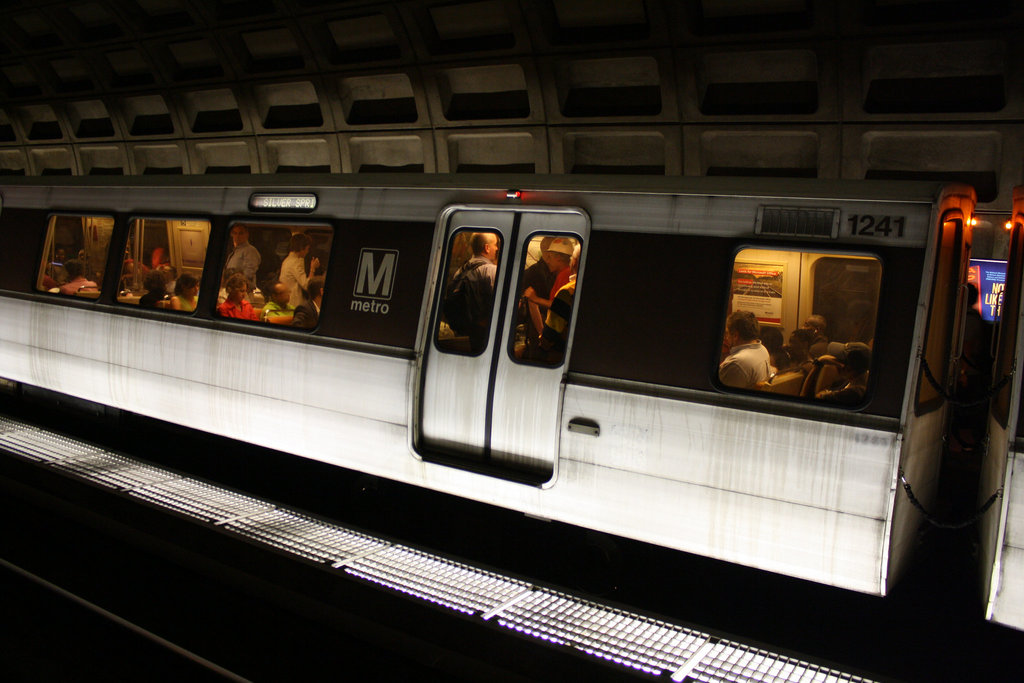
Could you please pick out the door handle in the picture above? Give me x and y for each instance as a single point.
(583, 425)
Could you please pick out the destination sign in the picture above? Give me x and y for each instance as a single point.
(282, 202)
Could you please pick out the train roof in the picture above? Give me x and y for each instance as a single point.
(877, 190)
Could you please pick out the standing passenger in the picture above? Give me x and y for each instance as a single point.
(243, 256)
(539, 279)
(554, 336)
(469, 297)
(293, 269)
(748, 359)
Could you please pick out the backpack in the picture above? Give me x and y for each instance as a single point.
(458, 296)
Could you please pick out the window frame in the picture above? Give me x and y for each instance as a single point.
(128, 229)
(820, 251)
(518, 282)
(445, 282)
(48, 246)
(264, 222)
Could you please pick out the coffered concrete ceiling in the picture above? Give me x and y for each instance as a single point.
(813, 88)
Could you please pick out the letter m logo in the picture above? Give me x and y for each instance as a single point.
(375, 277)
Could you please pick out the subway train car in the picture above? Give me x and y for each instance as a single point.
(331, 318)
(1002, 533)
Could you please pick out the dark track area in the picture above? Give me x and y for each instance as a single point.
(930, 629)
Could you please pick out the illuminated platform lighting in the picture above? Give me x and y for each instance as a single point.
(643, 644)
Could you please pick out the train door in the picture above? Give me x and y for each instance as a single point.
(490, 381)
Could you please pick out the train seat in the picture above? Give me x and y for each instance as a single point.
(824, 375)
(789, 383)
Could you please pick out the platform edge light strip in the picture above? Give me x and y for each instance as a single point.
(403, 569)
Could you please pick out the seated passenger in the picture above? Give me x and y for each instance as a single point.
(222, 295)
(186, 290)
(170, 275)
(748, 360)
(278, 310)
(853, 376)
(236, 305)
(798, 348)
(307, 314)
(155, 293)
(771, 338)
(816, 324)
(77, 281)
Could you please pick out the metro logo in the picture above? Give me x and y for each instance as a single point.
(375, 277)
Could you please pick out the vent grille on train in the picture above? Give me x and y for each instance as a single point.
(787, 221)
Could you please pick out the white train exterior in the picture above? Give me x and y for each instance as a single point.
(631, 434)
(1002, 533)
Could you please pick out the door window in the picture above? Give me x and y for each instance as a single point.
(471, 273)
(547, 287)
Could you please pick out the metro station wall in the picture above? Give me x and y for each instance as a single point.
(663, 87)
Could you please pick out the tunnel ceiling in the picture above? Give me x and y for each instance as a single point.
(808, 88)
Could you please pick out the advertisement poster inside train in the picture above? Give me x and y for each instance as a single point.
(757, 287)
(989, 276)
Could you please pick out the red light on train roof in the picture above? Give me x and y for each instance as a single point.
(513, 194)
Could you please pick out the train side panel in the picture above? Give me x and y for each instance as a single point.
(777, 483)
(1002, 528)
(786, 494)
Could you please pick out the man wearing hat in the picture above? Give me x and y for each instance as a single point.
(853, 384)
(539, 279)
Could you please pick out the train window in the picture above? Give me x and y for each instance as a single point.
(163, 263)
(274, 274)
(468, 294)
(801, 324)
(75, 255)
(547, 287)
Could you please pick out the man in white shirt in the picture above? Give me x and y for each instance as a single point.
(748, 361)
(242, 255)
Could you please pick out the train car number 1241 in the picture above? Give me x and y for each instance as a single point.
(875, 226)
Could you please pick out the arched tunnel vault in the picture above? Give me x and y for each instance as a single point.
(807, 88)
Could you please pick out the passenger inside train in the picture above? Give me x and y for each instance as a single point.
(555, 335)
(163, 261)
(307, 314)
(278, 310)
(550, 265)
(236, 302)
(854, 360)
(156, 290)
(186, 292)
(543, 278)
(469, 292)
(748, 361)
(827, 356)
(88, 239)
(278, 264)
